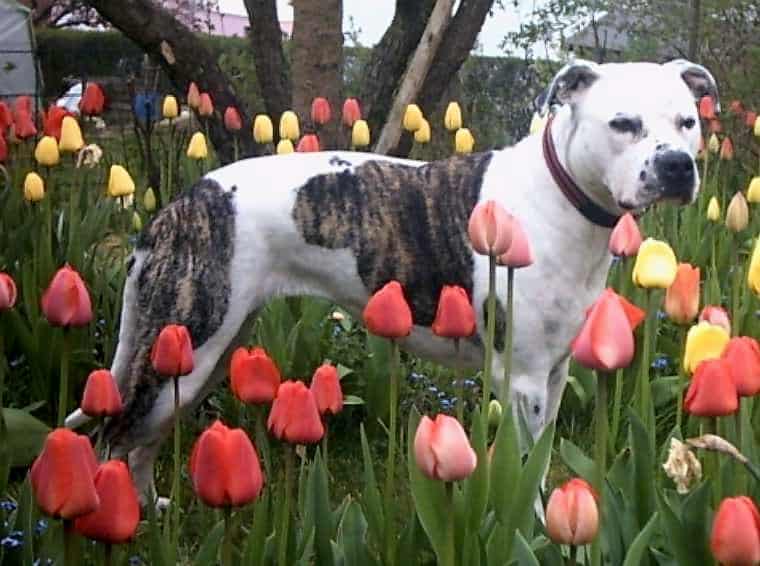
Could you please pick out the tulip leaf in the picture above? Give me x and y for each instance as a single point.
(523, 553)
(409, 542)
(505, 466)
(318, 509)
(643, 480)
(157, 543)
(576, 460)
(209, 549)
(476, 486)
(353, 400)
(25, 436)
(695, 516)
(638, 549)
(253, 554)
(370, 498)
(352, 537)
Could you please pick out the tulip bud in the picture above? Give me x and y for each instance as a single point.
(93, 100)
(753, 273)
(537, 123)
(254, 377)
(572, 515)
(726, 149)
(735, 537)
(325, 385)
(454, 317)
(737, 213)
(66, 301)
(101, 397)
(351, 112)
(170, 107)
(463, 141)
(625, 238)
(308, 143)
(453, 117)
(716, 315)
(8, 292)
(412, 118)
(320, 111)
(232, 119)
(172, 352)
(46, 153)
(494, 414)
(360, 134)
(149, 200)
(682, 297)
(294, 416)
(120, 183)
(422, 135)
(71, 136)
(34, 187)
(713, 210)
(713, 144)
(137, 223)
(193, 96)
(263, 131)
(742, 355)
(285, 146)
(197, 149)
(707, 108)
(712, 391)
(206, 105)
(704, 341)
(753, 191)
(490, 228)
(442, 450)
(756, 127)
(289, 128)
(387, 313)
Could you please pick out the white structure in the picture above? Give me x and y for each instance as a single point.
(19, 73)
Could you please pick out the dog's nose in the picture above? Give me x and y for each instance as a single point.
(675, 169)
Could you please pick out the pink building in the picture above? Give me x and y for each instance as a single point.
(206, 17)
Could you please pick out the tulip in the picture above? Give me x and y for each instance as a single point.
(519, 254)
(704, 341)
(655, 265)
(726, 149)
(193, 96)
(6, 117)
(225, 468)
(495, 411)
(707, 108)
(490, 228)
(3, 147)
(713, 210)
(625, 238)
(454, 317)
(737, 213)
(46, 153)
(442, 450)
(713, 144)
(206, 105)
(149, 200)
(749, 118)
(351, 112)
(753, 273)
(232, 119)
(742, 355)
(735, 537)
(753, 191)
(422, 135)
(715, 127)
(285, 146)
(101, 397)
(172, 352)
(360, 134)
(170, 108)
(66, 301)
(23, 125)
(717, 316)
(308, 143)
(412, 118)
(325, 385)
(71, 136)
(453, 117)
(62, 475)
(682, 297)
(8, 293)
(120, 183)
(736, 106)
(294, 416)
(756, 127)
(537, 123)
(387, 313)
(712, 391)
(320, 111)
(463, 141)
(289, 128)
(197, 149)
(572, 515)
(93, 100)
(52, 121)
(34, 187)
(254, 377)
(262, 129)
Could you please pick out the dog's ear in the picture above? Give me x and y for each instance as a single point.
(569, 84)
(699, 80)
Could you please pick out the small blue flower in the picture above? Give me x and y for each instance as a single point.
(8, 505)
(39, 562)
(661, 315)
(11, 543)
(135, 561)
(40, 527)
(469, 383)
(661, 362)
(616, 259)
(433, 389)
(17, 535)
(445, 404)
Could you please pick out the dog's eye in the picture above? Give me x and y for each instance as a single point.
(626, 125)
(688, 123)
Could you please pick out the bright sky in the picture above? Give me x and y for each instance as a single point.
(372, 17)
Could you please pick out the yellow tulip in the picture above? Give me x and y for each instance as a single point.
(655, 266)
(737, 213)
(46, 153)
(285, 146)
(197, 148)
(149, 200)
(704, 341)
(263, 130)
(453, 117)
(360, 134)
(463, 141)
(34, 187)
(120, 183)
(412, 118)
(753, 191)
(422, 135)
(289, 129)
(713, 210)
(136, 222)
(753, 274)
(757, 127)
(713, 144)
(537, 123)
(170, 108)
(71, 136)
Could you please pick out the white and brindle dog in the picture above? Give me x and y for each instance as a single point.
(342, 224)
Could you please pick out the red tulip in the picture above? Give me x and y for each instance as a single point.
(750, 117)
(442, 450)
(254, 376)
(8, 292)
(23, 105)
(115, 520)
(519, 253)
(101, 397)
(572, 515)
(682, 297)
(325, 385)
(23, 126)
(455, 317)
(726, 149)
(387, 313)
(320, 111)
(742, 355)
(193, 96)
(206, 105)
(736, 106)
(62, 475)
(490, 228)
(714, 126)
(308, 143)
(93, 100)
(66, 301)
(351, 112)
(735, 538)
(52, 121)
(6, 118)
(716, 315)
(232, 120)
(172, 353)
(712, 391)
(605, 341)
(225, 468)
(3, 147)
(625, 238)
(707, 108)
(294, 416)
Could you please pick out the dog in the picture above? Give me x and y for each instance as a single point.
(342, 224)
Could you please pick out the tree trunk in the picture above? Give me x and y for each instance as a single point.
(318, 62)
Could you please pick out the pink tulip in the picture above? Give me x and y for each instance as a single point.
(716, 315)
(572, 516)
(490, 228)
(519, 253)
(626, 237)
(442, 450)
(308, 143)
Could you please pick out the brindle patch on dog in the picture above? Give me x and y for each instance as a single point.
(401, 222)
(184, 279)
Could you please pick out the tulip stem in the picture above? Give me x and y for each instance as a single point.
(4, 458)
(108, 554)
(682, 380)
(616, 406)
(63, 388)
(600, 441)
(177, 455)
(390, 535)
(712, 462)
(490, 331)
(70, 544)
(646, 410)
(449, 558)
(282, 549)
(227, 542)
(460, 384)
(572, 560)
(236, 147)
(506, 386)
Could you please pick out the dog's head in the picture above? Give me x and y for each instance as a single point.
(631, 130)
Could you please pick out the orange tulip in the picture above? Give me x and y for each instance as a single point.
(572, 515)
(308, 143)
(742, 355)
(101, 397)
(325, 385)
(66, 301)
(712, 391)
(455, 317)
(52, 121)
(707, 108)
(93, 100)
(442, 450)
(682, 297)
(232, 120)
(519, 254)
(726, 149)
(716, 315)
(116, 518)
(193, 96)
(172, 352)
(387, 313)
(735, 537)
(206, 105)
(625, 238)
(254, 377)
(490, 228)
(320, 111)
(8, 292)
(225, 468)
(351, 112)
(294, 416)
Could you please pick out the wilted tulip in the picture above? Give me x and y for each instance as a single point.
(149, 200)
(412, 118)
(712, 391)
(263, 131)
(197, 149)
(655, 265)
(193, 96)
(34, 187)
(453, 117)
(101, 397)
(66, 301)
(351, 112)
(320, 111)
(52, 121)
(572, 515)
(206, 105)
(289, 128)
(254, 377)
(490, 228)
(713, 210)
(294, 416)
(520, 253)
(753, 273)
(682, 297)
(360, 134)
(285, 146)
(454, 317)
(232, 119)
(625, 238)
(46, 153)
(713, 144)
(387, 313)
(172, 352)
(463, 141)
(170, 109)
(682, 466)
(707, 108)
(704, 341)
(120, 183)
(753, 191)
(308, 143)
(8, 292)
(93, 100)
(737, 213)
(422, 135)
(742, 355)
(726, 149)
(735, 537)
(325, 386)
(225, 468)
(71, 136)
(442, 450)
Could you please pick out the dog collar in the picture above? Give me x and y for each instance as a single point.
(580, 200)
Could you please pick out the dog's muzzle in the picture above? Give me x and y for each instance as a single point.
(675, 171)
